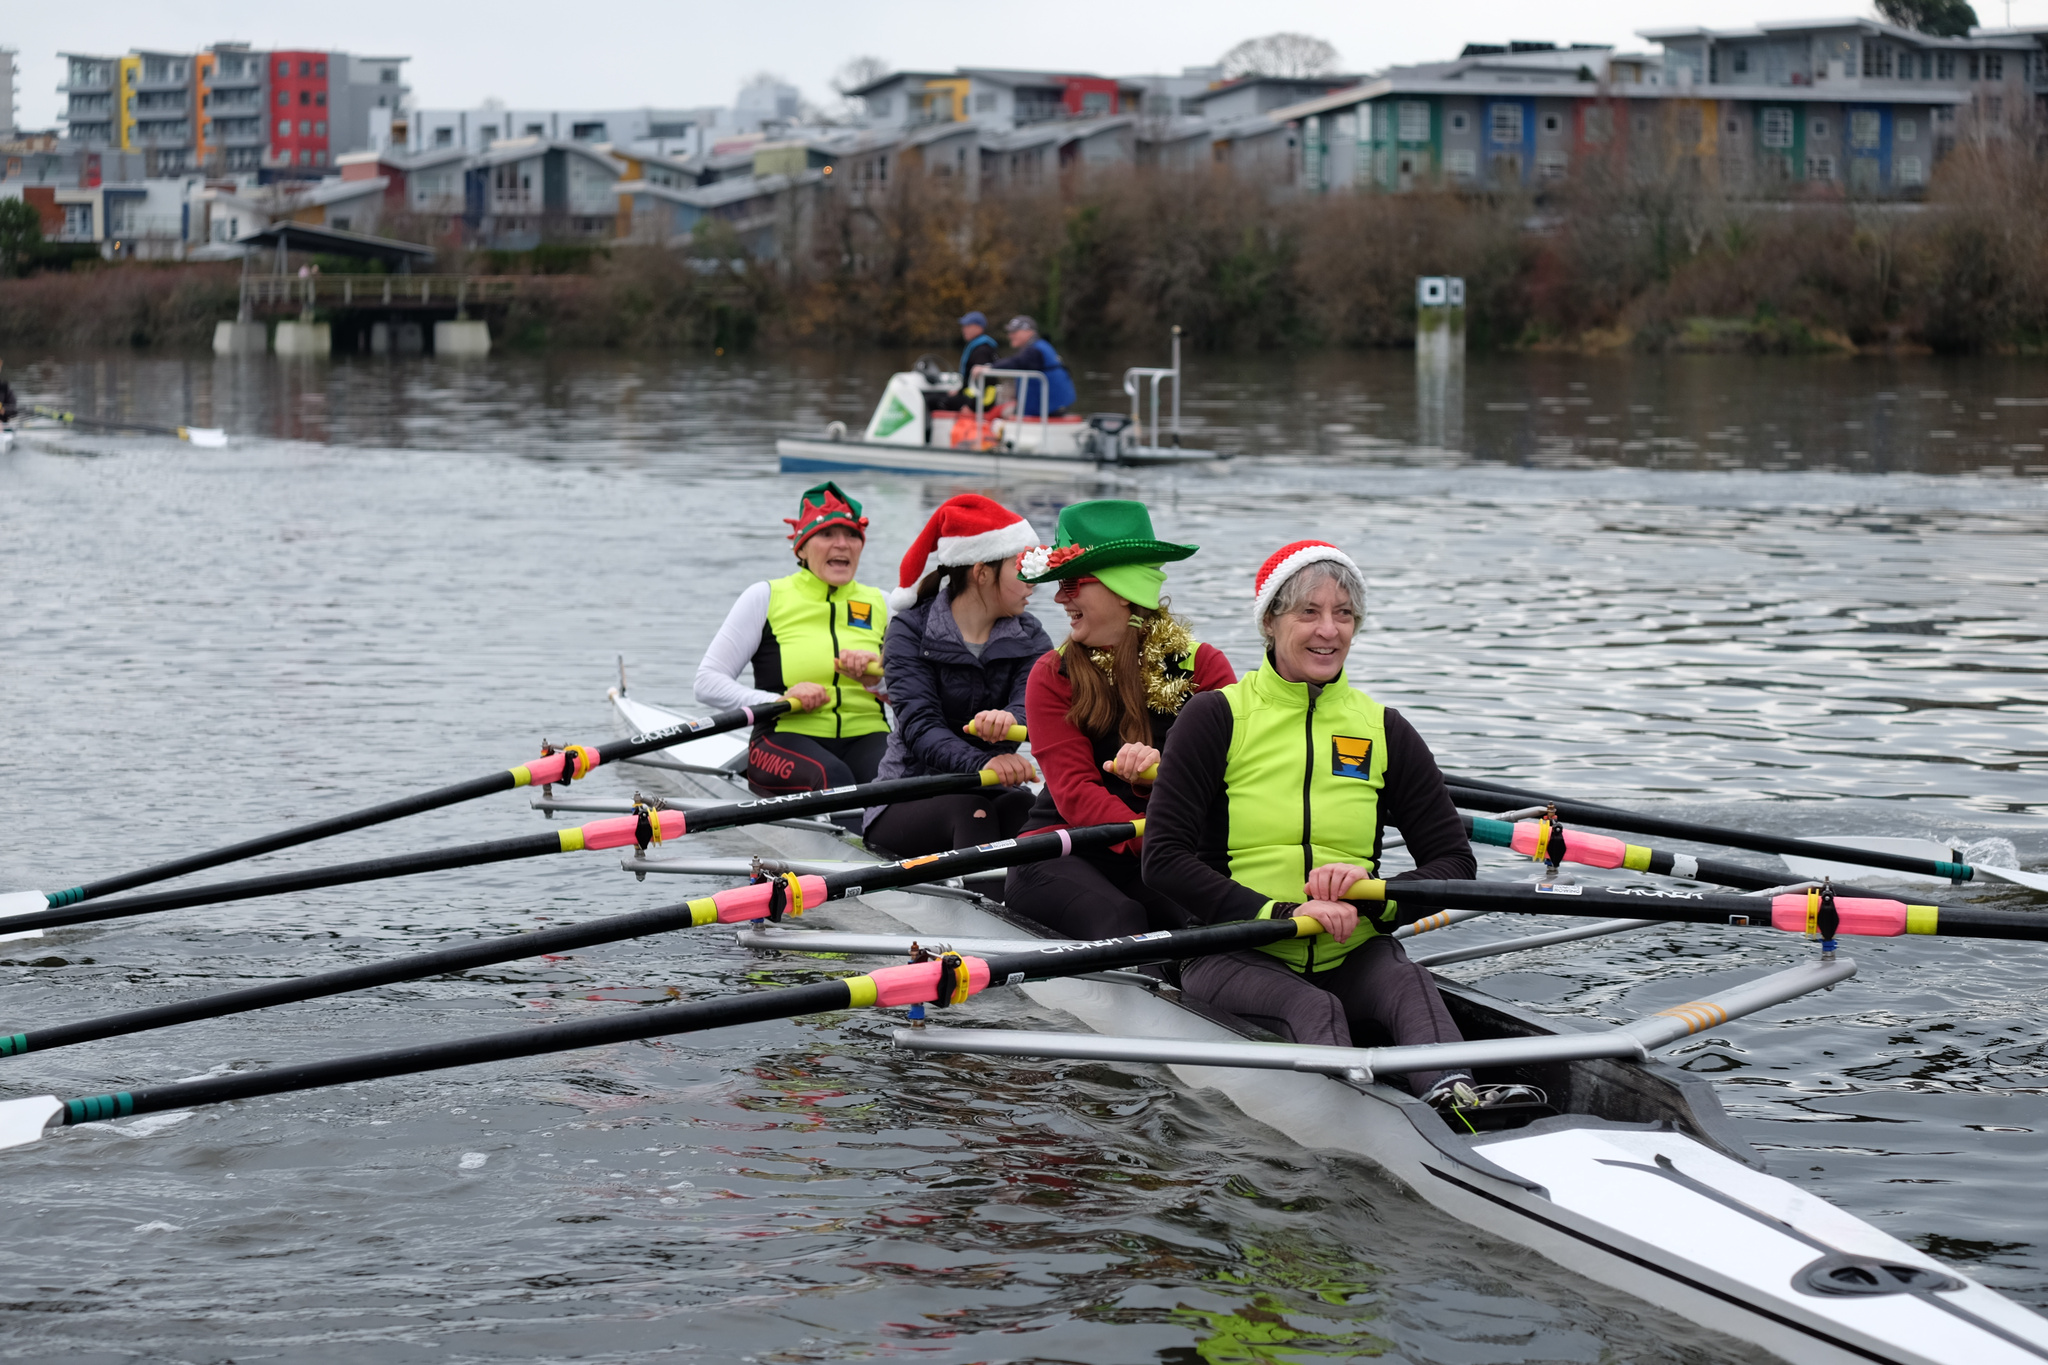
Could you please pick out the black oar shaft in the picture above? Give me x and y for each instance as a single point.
(1657, 861)
(503, 780)
(279, 883)
(702, 818)
(1492, 796)
(788, 1002)
(1415, 898)
(70, 418)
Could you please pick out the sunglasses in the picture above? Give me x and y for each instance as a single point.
(1068, 585)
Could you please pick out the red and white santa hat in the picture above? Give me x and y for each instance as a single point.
(1283, 564)
(968, 529)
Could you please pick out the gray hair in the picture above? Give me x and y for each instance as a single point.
(1305, 581)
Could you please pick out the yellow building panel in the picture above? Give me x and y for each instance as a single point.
(126, 76)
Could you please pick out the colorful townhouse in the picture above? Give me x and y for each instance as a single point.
(1857, 105)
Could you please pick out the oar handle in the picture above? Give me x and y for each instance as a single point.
(1016, 734)
(1602, 850)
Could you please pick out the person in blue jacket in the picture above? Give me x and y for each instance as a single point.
(977, 352)
(959, 647)
(1030, 351)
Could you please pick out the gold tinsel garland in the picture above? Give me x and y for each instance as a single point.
(1166, 643)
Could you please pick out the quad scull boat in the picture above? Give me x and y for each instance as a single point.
(1633, 1175)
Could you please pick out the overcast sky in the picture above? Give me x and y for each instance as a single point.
(622, 53)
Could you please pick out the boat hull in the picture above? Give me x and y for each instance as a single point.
(805, 456)
(1641, 1184)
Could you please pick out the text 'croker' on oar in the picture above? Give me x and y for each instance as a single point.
(646, 827)
(948, 979)
(563, 766)
(1800, 911)
(789, 894)
(1472, 792)
(198, 436)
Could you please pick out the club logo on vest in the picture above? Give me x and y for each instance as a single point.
(861, 614)
(1351, 756)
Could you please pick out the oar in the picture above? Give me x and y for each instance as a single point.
(1018, 734)
(1549, 841)
(647, 826)
(769, 900)
(198, 436)
(561, 766)
(1863, 916)
(1493, 796)
(944, 980)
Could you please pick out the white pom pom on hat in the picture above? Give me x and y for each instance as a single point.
(1283, 564)
(968, 529)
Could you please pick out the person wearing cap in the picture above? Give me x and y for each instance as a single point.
(1101, 706)
(959, 647)
(977, 351)
(1274, 797)
(810, 637)
(1030, 351)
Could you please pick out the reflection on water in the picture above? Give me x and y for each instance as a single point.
(400, 574)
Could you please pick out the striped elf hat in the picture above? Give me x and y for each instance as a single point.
(1283, 564)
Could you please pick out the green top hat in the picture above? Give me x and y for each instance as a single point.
(1110, 539)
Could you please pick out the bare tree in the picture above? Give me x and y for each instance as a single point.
(859, 71)
(1281, 54)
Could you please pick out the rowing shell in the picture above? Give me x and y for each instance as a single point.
(1639, 1182)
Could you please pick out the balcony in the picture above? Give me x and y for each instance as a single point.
(246, 80)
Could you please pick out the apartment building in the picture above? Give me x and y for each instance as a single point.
(995, 98)
(1854, 104)
(229, 108)
(680, 132)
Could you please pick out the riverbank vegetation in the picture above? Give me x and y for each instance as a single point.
(1591, 265)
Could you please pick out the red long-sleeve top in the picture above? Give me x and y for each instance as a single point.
(1080, 792)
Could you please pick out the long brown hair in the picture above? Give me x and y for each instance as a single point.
(1114, 705)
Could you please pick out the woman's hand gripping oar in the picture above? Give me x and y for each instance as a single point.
(766, 900)
(948, 979)
(558, 766)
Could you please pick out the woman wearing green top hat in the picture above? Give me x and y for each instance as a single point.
(1100, 707)
(811, 638)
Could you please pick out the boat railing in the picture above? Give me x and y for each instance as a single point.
(1135, 380)
(1023, 378)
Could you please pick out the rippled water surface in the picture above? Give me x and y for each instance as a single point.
(1793, 596)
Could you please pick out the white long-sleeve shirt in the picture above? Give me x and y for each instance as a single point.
(732, 649)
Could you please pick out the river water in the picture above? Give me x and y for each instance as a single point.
(1791, 595)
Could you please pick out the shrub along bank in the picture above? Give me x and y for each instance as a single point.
(1593, 265)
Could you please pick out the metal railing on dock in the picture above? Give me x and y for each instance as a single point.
(269, 293)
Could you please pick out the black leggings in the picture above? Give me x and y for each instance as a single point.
(1375, 984)
(778, 764)
(910, 829)
(1090, 895)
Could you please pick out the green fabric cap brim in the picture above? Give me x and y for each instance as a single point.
(1138, 584)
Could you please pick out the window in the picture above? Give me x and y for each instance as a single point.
(1463, 164)
(1414, 118)
(320, 98)
(536, 130)
(1460, 122)
(284, 97)
(1994, 66)
(1551, 123)
(305, 127)
(984, 101)
(389, 75)
(305, 97)
(1820, 168)
(1926, 66)
(284, 127)
(1094, 103)
(1774, 128)
(1944, 66)
(319, 158)
(1599, 124)
(284, 68)
(1910, 172)
(1817, 127)
(320, 130)
(1739, 61)
(879, 106)
(305, 157)
(78, 220)
(1906, 130)
(1506, 122)
(444, 137)
(489, 132)
(319, 68)
(1866, 129)
(587, 132)
(305, 68)
(1732, 126)
(1551, 165)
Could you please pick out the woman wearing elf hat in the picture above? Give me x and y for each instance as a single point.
(1101, 706)
(959, 646)
(1274, 797)
(810, 636)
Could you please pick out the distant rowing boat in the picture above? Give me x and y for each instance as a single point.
(1638, 1180)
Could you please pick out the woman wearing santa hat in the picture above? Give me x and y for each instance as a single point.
(959, 646)
(1101, 707)
(1274, 796)
(810, 637)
